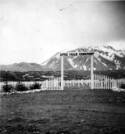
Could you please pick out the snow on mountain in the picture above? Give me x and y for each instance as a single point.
(105, 58)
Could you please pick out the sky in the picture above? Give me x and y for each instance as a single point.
(34, 30)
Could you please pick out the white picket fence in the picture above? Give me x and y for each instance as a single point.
(104, 82)
(53, 84)
(100, 82)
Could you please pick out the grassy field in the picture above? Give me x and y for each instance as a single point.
(63, 112)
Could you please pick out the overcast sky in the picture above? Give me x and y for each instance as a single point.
(34, 30)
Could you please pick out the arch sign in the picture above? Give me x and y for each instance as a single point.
(76, 54)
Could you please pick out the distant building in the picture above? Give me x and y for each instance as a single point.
(47, 77)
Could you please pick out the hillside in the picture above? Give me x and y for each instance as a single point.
(105, 58)
(22, 67)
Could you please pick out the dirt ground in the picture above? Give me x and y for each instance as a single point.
(63, 112)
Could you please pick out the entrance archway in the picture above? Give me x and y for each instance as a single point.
(76, 54)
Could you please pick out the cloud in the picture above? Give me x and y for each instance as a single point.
(33, 31)
(118, 45)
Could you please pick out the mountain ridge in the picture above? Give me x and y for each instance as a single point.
(21, 67)
(106, 58)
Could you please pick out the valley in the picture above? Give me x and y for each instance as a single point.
(68, 75)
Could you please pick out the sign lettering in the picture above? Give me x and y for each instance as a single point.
(76, 54)
(64, 54)
(73, 54)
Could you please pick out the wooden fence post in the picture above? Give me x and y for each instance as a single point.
(92, 76)
(62, 75)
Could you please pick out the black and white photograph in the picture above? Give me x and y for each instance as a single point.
(62, 67)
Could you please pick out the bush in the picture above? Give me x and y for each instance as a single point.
(21, 87)
(122, 85)
(7, 88)
(35, 86)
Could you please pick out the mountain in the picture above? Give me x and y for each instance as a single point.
(105, 58)
(21, 67)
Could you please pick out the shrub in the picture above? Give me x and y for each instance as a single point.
(122, 85)
(35, 86)
(7, 88)
(21, 87)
